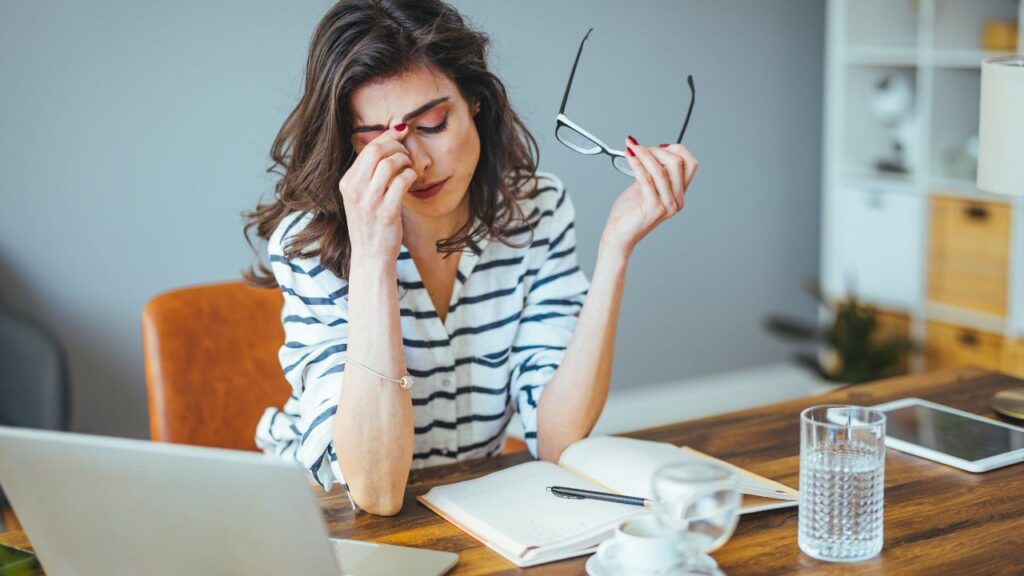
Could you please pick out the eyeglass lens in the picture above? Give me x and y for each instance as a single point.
(576, 141)
(584, 145)
(621, 165)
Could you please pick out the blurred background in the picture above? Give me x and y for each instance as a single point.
(833, 137)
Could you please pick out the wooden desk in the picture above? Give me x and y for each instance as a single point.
(938, 520)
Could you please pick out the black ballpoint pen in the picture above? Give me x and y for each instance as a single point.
(579, 494)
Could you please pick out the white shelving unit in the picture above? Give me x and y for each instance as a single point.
(875, 225)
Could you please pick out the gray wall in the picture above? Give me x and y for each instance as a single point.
(132, 135)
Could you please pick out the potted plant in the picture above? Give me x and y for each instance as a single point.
(849, 346)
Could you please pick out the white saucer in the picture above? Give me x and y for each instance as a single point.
(595, 567)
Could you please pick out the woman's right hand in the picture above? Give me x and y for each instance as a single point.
(372, 190)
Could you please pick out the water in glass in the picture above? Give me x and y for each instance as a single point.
(842, 480)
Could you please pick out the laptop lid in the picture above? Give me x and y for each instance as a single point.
(98, 505)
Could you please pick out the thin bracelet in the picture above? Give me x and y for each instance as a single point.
(405, 382)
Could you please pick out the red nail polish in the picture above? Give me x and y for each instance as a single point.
(662, 145)
(630, 151)
(400, 127)
(631, 140)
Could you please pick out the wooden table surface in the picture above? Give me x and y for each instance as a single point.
(938, 520)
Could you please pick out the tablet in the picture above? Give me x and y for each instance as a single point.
(954, 437)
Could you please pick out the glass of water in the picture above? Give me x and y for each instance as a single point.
(842, 482)
(697, 504)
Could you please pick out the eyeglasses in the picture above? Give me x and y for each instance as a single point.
(578, 139)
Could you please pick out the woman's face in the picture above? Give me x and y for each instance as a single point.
(442, 141)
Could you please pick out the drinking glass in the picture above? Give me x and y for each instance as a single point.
(697, 504)
(842, 481)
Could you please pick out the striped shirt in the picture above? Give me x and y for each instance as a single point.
(510, 318)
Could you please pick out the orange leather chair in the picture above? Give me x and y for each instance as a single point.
(211, 364)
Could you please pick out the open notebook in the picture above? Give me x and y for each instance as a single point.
(511, 511)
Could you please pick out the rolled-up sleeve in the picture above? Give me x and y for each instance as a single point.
(315, 320)
(552, 307)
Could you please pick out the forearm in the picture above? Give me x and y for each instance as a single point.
(573, 399)
(373, 431)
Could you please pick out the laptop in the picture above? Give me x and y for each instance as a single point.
(98, 505)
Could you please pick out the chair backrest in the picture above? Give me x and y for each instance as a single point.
(211, 363)
(34, 389)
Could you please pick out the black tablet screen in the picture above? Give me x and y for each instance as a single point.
(951, 434)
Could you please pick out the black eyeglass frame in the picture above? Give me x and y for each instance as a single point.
(563, 121)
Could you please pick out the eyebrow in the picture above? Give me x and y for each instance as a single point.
(405, 118)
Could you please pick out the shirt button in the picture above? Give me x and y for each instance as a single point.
(446, 383)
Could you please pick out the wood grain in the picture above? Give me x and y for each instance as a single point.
(938, 520)
(947, 345)
(969, 254)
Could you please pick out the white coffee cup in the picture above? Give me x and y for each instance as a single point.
(640, 543)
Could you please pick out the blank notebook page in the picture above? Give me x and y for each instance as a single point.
(513, 509)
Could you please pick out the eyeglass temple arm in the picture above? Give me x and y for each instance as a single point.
(565, 97)
(693, 98)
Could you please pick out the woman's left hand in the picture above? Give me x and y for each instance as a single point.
(662, 176)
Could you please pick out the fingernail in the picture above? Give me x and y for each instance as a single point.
(632, 140)
(662, 145)
(630, 151)
(400, 127)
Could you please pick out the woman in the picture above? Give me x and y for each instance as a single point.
(412, 236)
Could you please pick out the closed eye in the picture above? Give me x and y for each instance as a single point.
(435, 129)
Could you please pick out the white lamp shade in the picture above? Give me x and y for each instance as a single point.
(1001, 126)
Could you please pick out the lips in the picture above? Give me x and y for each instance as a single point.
(429, 191)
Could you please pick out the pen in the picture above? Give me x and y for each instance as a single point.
(579, 494)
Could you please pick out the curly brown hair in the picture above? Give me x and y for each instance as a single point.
(358, 41)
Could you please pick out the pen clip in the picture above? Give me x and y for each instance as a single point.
(569, 496)
(557, 492)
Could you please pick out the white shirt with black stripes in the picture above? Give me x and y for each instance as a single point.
(510, 318)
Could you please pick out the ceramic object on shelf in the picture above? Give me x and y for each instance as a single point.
(962, 160)
(999, 36)
(893, 104)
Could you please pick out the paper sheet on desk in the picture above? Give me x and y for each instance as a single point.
(520, 513)
(626, 466)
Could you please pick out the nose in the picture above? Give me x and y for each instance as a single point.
(419, 153)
